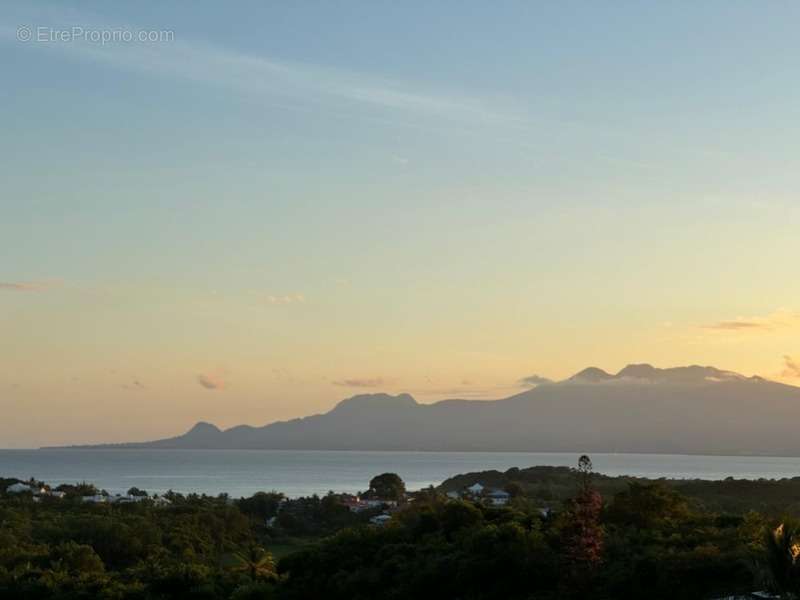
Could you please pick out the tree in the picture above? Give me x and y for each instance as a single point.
(387, 486)
(134, 491)
(783, 557)
(77, 558)
(649, 506)
(78, 489)
(582, 549)
(458, 515)
(585, 542)
(256, 563)
(514, 489)
(261, 504)
(585, 469)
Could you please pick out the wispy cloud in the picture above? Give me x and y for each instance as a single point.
(779, 319)
(367, 382)
(791, 367)
(286, 299)
(277, 80)
(533, 380)
(315, 88)
(134, 386)
(476, 392)
(211, 382)
(27, 286)
(738, 325)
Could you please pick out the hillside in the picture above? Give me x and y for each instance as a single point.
(641, 409)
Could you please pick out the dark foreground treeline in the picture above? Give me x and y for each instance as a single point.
(645, 541)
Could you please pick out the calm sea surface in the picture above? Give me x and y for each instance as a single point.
(243, 472)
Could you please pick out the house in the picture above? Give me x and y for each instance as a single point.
(96, 499)
(476, 489)
(378, 503)
(357, 503)
(121, 499)
(25, 488)
(125, 499)
(380, 520)
(354, 503)
(19, 488)
(498, 497)
(477, 492)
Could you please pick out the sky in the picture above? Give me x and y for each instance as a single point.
(245, 214)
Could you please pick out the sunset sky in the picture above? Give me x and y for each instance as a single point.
(290, 203)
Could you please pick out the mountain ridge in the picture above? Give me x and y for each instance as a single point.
(641, 408)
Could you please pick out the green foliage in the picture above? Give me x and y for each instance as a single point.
(552, 486)
(436, 549)
(514, 489)
(79, 489)
(456, 549)
(387, 486)
(70, 549)
(315, 516)
(261, 505)
(648, 540)
(648, 506)
(782, 552)
(76, 558)
(256, 563)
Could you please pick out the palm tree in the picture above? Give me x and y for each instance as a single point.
(256, 562)
(783, 558)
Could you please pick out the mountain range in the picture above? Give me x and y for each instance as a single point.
(641, 409)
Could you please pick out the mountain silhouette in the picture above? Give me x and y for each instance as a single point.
(683, 410)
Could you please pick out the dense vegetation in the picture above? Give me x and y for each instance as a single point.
(605, 538)
(551, 486)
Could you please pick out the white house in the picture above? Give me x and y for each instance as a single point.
(453, 495)
(377, 502)
(380, 520)
(476, 489)
(498, 497)
(96, 499)
(19, 488)
(126, 499)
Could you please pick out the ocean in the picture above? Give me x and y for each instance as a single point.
(301, 473)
